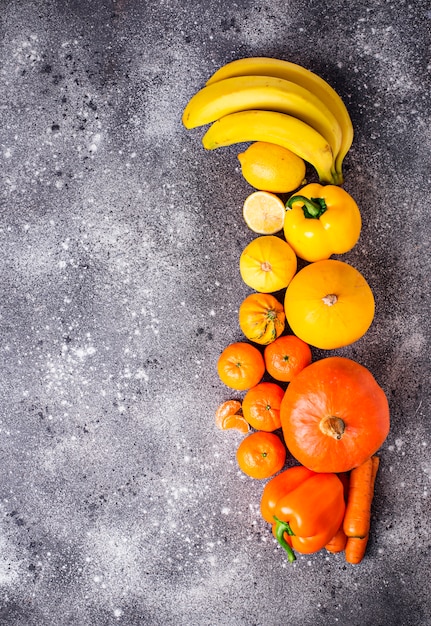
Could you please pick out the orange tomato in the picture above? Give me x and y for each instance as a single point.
(286, 357)
(240, 366)
(261, 406)
(261, 455)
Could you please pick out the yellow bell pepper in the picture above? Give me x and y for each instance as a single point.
(321, 221)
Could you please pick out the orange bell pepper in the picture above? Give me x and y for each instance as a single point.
(306, 508)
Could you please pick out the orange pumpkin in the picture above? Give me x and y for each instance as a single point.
(261, 318)
(267, 264)
(334, 415)
(329, 304)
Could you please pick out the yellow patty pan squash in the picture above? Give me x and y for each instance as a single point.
(267, 264)
(329, 304)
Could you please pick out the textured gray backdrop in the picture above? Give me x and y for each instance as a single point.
(119, 243)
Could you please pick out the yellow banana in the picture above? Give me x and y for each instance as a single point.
(278, 128)
(266, 66)
(242, 93)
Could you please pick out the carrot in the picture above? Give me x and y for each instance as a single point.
(338, 541)
(355, 549)
(344, 477)
(361, 490)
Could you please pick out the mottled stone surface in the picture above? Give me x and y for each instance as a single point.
(119, 242)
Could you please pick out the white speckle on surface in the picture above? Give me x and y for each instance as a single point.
(82, 352)
(141, 374)
(9, 564)
(96, 139)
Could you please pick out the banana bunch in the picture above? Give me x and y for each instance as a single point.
(272, 100)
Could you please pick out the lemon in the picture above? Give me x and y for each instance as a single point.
(270, 167)
(264, 212)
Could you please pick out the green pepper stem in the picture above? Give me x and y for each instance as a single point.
(280, 529)
(313, 207)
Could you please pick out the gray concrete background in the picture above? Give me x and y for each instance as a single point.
(119, 246)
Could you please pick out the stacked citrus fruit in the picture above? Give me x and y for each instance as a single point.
(331, 415)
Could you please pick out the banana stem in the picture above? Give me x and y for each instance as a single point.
(338, 178)
(313, 207)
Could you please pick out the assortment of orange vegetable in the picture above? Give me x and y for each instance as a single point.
(333, 415)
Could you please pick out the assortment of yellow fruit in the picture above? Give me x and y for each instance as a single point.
(275, 101)
(290, 116)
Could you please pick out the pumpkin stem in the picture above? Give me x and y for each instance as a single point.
(330, 299)
(333, 427)
(266, 266)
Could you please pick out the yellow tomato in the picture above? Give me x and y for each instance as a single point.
(267, 264)
(329, 304)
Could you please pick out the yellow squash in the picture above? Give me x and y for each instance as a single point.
(329, 304)
(267, 264)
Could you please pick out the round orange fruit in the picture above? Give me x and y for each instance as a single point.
(240, 366)
(261, 406)
(286, 357)
(261, 455)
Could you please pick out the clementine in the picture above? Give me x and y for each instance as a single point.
(228, 416)
(261, 406)
(286, 357)
(261, 455)
(240, 366)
